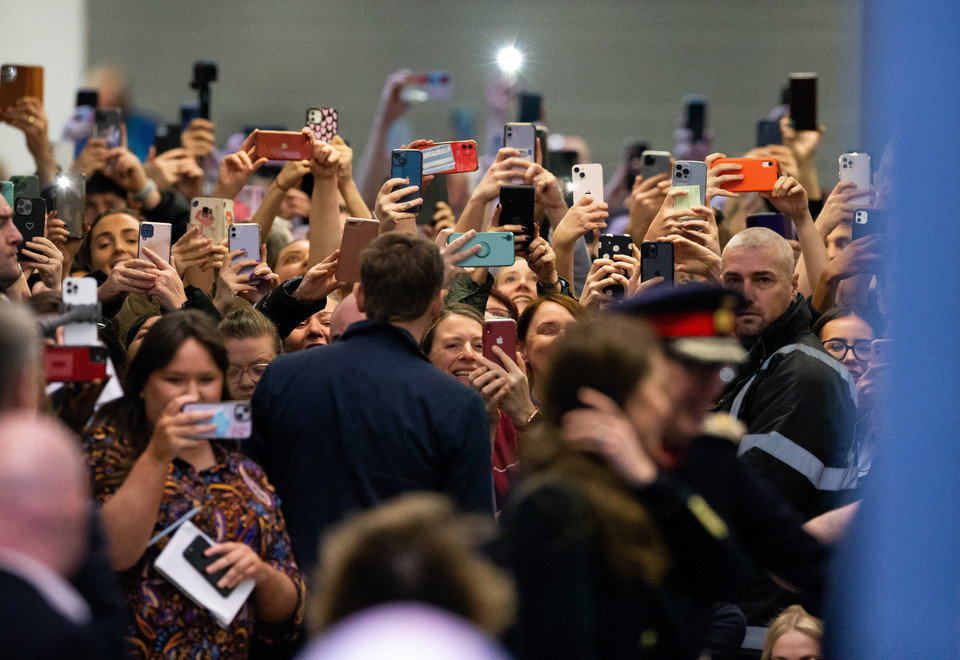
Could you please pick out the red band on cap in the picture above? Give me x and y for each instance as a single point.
(684, 324)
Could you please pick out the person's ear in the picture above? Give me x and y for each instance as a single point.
(436, 307)
(361, 300)
(795, 284)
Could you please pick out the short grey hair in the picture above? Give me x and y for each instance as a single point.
(765, 239)
(19, 344)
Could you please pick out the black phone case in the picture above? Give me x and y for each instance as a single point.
(656, 260)
(29, 216)
(610, 245)
(517, 208)
(803, 102)
(867, 222)
(193, 553)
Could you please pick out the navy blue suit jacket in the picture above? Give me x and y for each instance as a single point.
(347, 426)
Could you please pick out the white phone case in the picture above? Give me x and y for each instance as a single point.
(855, 166)
(213, 215)
(79, 291)
(521, 136)
(245, 236)
(587, 179)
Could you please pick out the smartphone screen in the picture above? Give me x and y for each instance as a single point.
(803, 101)
(69, 200)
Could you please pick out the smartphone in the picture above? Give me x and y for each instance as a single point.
(759, 174)
(450, 157)
(156, 236)
(358, 233)
(530, 107)
(542, 135)
(522, 137)
(634, 159)
(431, 86)
(323, 122)
(882, 352)
(803, 101)
(107, 124)
(691, 173)
(73, 364)
(283, 145)
(6, 190)
(244, 236)
(497, 249)
(768, 132)
(189, 112)
(233, 418)
(437, 192)
(70, 201)
(855, 166)
(517, 208)
(609, 246)
(18, 81)
(587, 179)
(867, 222)
(25, 185)
(695, 115)
(193, 553)
(653, 163)
(88, 97)
(778, 222)
(502, 333)
(656, 260)
(29, 217)
(408, 164)
(166, 137)
(79, 291)
(561, 166)
(213, 214)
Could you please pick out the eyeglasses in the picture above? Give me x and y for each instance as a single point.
(255, 371)
(862, 349)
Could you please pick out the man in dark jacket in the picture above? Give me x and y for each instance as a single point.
(344, 427)
(799, 404)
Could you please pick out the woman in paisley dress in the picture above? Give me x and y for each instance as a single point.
(150, 465)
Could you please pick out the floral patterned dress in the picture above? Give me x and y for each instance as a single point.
(236, 504)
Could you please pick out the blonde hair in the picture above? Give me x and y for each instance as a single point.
(792, 618)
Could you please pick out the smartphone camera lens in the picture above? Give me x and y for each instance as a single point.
(686, 172)
(242, 413)
(583, 174)
(648, 160)
(146, 231)
(650, 250)
(401, 160)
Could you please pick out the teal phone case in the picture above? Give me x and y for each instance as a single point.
(497, 249)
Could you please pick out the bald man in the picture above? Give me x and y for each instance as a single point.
(44, 516)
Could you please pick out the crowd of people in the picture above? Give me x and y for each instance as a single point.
(660, 474)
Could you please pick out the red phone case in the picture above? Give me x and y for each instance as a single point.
(759, 174)
(283, 145)
(450, 157)
(74, 363)
(502, 333)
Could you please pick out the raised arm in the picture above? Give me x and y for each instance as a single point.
(376, 164)
(325, 227)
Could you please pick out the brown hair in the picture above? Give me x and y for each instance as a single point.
(458, 309)
(611, 355)
(413, 548)
(250, 323)
(400, 274)
(565, 301)
(792, 618)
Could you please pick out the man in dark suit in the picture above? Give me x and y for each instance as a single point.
(44, 519)
(344, 427)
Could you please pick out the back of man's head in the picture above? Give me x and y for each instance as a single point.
(400, 275)
(19, 358)
(761, 238)
(44, 494)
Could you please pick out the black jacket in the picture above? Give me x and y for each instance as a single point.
(799, 406)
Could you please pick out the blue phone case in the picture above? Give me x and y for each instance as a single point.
(408, 164)
(497, 249)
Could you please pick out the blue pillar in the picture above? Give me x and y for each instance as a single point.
(896, 590)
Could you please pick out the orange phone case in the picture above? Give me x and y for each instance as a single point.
(759, 174)
(358, 233)
(283, 145)
(18, 81)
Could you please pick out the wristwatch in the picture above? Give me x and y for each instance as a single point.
(534, 420)
(143, 193)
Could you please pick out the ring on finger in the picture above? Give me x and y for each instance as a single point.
(32, 119)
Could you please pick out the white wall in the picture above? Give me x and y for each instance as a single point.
(53, 34)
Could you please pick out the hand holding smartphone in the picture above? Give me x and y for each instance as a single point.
(283, 145)
(408, 164)
(232, 418)
(502, 333)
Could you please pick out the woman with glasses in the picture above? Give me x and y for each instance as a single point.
(252, 344)
(847, 337)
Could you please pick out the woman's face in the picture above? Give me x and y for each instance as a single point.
(140, 336)
(649, 409)
(457, 341)
(518, 283)
(546, 327)
(114, 239)
(248, 358)
(292, 260)
(796, 645)
(191, 371)
(848, 330)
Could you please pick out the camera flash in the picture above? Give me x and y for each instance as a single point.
(63, 181)
(509, 59)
